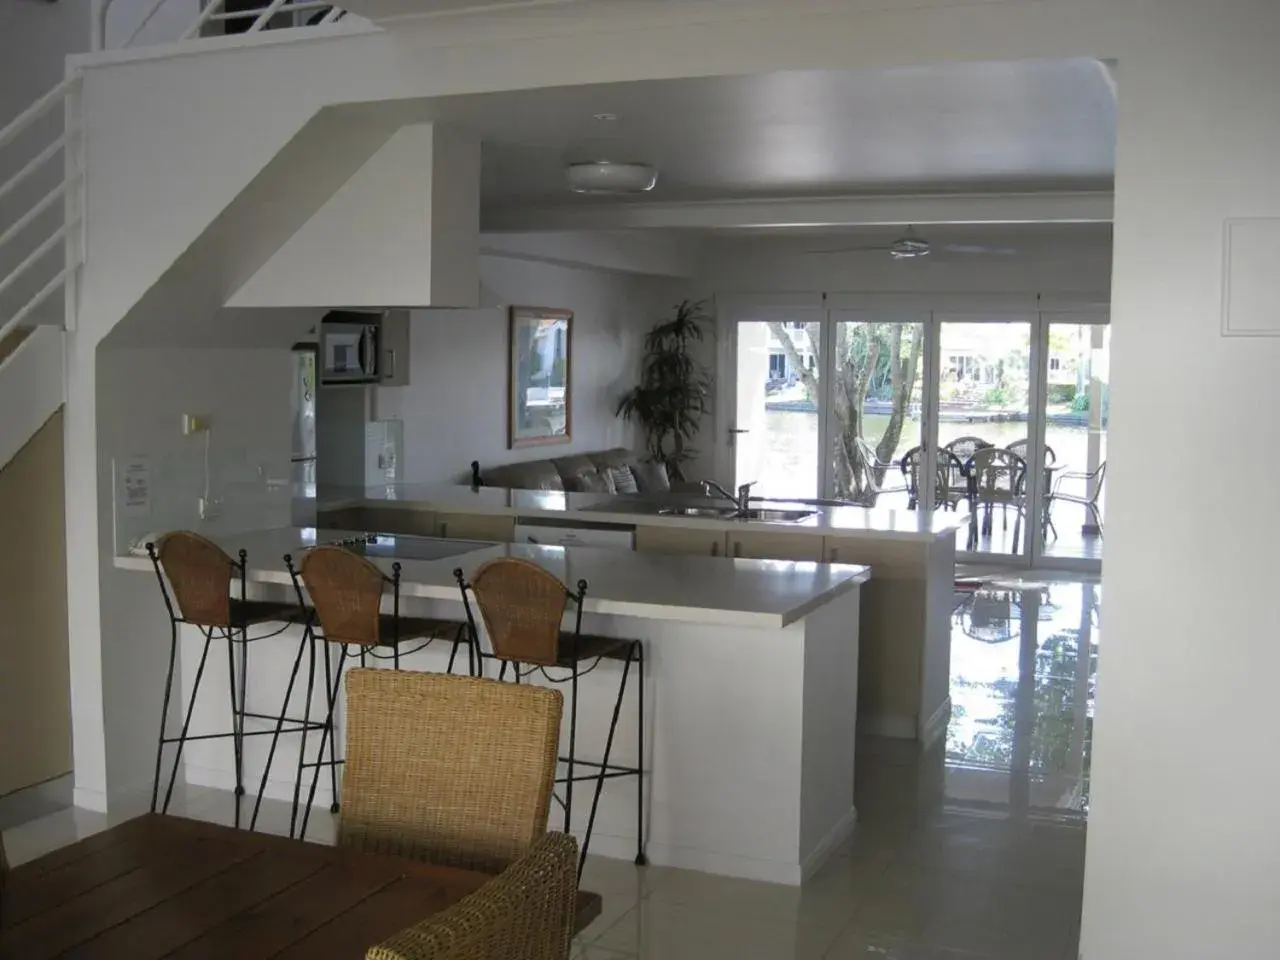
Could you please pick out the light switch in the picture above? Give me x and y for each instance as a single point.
(194, 423)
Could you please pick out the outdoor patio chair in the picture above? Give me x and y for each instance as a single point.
(950, 486)
(876, 470)
(1093, 482)
(996, 479)
(966, 447)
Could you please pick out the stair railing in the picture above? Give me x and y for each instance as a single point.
(63, 241)
(215, 11)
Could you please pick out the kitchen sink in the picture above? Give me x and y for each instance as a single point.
(702, 513)
(774, 516)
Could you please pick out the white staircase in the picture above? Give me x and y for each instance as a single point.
(39, 253)
(41, 177)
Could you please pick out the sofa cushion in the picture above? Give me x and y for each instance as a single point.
(651, 477)
(580, 474)
(608, 459)
(530, 475)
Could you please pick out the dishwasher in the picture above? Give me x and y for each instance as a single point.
(574, 533)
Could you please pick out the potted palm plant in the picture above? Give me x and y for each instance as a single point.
(674, 387)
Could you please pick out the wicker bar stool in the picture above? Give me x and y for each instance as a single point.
(204, 587)
(523, 608)
(346, 592)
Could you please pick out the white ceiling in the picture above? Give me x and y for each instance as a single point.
(1034, 125)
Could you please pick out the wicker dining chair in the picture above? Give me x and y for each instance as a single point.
(949, 480)
(526, 912)
(456, 771)
(997, 478)
(523, 607)
(346, 592)
(203, 586)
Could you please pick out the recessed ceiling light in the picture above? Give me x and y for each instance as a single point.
(604, 117)
(602, 176)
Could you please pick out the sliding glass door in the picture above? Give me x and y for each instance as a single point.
(1001, 415)
(876, 401)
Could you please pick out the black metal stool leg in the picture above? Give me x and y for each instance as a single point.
(326, 734)
(302, 743)
(604, 762)
(641, 859)
(186, 721)
(275, 736)
(237, 737)
(333, 766)
(164, 712)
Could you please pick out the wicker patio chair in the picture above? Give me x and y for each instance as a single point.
(526, 912)
(456, 771)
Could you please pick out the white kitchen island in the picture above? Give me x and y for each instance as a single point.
(751, 692)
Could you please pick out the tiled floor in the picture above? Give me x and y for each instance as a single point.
(973, 851)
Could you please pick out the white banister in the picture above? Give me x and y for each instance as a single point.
(32, 258)
(215, 11)
(27, 117)
(34, 164)
(24, 221)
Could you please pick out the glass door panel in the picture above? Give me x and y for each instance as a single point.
(1076, 414)
(875, 419)
(778, 398)
(984, 404)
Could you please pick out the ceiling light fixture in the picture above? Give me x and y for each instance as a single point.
(604, 117)
(604, 176)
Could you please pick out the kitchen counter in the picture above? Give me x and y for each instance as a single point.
(750, 676)
(758, 593)
(906, 525)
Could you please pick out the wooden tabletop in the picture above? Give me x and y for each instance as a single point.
(162, 886)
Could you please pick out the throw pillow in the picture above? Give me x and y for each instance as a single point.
(624, 481)
(651, 477)
(589, 481)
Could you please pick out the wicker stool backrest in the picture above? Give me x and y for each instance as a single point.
(522, 606)
(199, 574)
(346, 591)
(456, 771)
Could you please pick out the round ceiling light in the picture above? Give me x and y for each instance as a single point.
(602, 176)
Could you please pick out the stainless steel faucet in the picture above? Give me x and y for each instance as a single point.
(742, 501)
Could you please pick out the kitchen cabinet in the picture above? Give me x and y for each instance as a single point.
(767, 545)
(474, 526)
(710, 543)
(393, 348)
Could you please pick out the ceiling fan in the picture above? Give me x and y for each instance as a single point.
(912, 246)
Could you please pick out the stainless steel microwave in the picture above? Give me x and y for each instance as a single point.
(348, 351)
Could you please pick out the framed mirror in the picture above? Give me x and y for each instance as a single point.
(539, 366)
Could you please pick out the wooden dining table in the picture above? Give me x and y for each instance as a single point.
(162, 886)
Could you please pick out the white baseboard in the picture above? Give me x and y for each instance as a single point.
(837, 835)
(276, 789)
(936, 725)
(707, 861)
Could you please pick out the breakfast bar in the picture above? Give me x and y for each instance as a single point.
(751, 690)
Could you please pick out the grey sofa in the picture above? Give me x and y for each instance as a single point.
(576, 473)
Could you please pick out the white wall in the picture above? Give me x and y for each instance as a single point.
(124, 17)
(142, 394)
(455, 408)
(404, 231)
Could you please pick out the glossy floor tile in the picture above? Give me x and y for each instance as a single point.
(972, 850)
